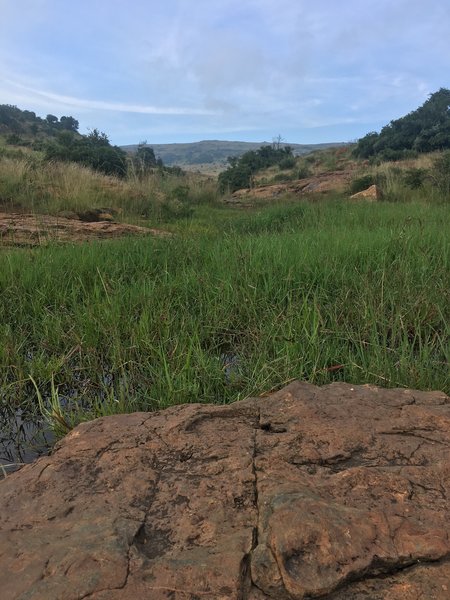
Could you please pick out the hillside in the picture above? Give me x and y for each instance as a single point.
(211, 155)
(24, 126)
(425, 129)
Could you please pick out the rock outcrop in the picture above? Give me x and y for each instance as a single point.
(371, 194)
(339, 492)
(18, 229)
(332, 181)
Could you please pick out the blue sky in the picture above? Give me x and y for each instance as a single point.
(179, 71)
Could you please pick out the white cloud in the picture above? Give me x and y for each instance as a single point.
(81, 103)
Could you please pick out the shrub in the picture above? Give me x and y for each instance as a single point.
(303, 172)
(414, 178)
(287, 163)
(441, 174)
(361, 183)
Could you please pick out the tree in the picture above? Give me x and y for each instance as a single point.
(97, 138)
(69, 123)
(93, 150)
(423, 130)
(51, 119)
(241, 170)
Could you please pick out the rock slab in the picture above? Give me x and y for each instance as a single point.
(339, 492)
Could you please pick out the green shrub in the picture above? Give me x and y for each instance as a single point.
(287, 163)
(303, 172)
(361, 183)
(441, 174)
(414, 178)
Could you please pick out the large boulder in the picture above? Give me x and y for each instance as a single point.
(338, 492)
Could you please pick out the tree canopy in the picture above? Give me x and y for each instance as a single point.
(93, 150)
(423, 130)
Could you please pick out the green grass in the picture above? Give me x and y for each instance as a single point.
(236, 304)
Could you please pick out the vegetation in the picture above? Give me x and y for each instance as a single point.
(423, 130)
(238, 302)
(59, 140)
(241, 171)
(30, 183)
(321, 292)
(25, 125)
(425, 177)
(214, 152)
(93, 150)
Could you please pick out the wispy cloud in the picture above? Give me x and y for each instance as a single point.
(72, 102)
(312, 71)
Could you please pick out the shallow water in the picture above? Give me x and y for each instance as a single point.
(23, 438)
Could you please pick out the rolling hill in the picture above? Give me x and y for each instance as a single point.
(210, 155)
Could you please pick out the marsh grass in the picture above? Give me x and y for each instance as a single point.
(316, 291)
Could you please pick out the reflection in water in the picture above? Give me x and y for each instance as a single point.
(23, 438)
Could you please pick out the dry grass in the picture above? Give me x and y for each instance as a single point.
(32, 185)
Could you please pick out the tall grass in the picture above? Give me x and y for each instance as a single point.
(321, 292)
(33, 185)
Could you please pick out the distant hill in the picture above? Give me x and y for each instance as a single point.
(216, 152)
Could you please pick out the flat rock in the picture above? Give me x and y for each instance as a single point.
(336, 181)
(18, 229)
(338, 492)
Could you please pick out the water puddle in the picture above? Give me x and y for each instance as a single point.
(23, 438)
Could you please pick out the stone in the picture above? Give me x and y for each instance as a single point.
(17, 229)
(95, 215)
(337, 492)
(371, 194)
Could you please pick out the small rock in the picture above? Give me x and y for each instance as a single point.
(371, 194)
(94, 215)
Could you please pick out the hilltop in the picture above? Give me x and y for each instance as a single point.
(25, 127)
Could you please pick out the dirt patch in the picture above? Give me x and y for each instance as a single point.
(35, 230)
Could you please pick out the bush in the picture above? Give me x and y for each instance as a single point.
(361, 183)
(303, 172)
(287, 163)
(241, 170)
(441, 174)
(414, 178)
(13, 139)
(93, 150)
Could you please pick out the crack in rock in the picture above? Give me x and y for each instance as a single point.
(332, 492)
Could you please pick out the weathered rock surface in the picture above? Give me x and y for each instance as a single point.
(371, 194)
(18, 229)
(336, 181)
(339, 492)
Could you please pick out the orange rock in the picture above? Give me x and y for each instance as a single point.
(371, 194)
(339, 492)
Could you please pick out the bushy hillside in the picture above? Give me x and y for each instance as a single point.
(423, 130)
(24, 126)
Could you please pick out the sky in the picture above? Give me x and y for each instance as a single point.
(310, 71)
